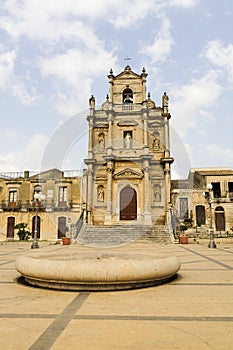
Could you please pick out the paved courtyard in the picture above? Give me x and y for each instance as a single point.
(195, 311)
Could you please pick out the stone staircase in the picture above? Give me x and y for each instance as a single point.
(111, 236)
(158, 234)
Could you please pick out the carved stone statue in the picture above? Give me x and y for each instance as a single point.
(165, 100)
(92, 101)
(100, 194)
(128, 140)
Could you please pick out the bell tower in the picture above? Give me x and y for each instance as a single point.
(128, 164)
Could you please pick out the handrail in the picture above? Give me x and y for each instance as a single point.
(79, 224)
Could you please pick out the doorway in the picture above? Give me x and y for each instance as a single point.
(128, 204)
(10, 227)
(220, 219)
(61, 227)
(34, 226)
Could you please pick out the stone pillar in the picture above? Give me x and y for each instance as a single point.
(147, 208)
(109, 149)
(108, 216)
(89, 193)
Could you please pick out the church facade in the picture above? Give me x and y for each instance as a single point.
(128, 166)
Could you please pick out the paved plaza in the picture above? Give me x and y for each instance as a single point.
(194, 311)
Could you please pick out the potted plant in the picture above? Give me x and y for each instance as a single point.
(183, 238)
(23, 234)
(66, 239)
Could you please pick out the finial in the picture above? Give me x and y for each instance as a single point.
(148, 95)
(107, 97)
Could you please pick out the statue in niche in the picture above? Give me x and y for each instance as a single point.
(156, 144)
(157, 194)
(128, 140)
(101, 140)
(100, 194)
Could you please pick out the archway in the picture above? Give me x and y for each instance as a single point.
(219, 219)
(34, 226)
(61, 227)
(128, 204)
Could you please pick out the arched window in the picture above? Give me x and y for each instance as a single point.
(36, 223)
(128, 96)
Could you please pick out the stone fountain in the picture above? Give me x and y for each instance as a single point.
(74, 268)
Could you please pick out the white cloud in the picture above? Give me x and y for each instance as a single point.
(26, 157)
(216, 152)
(69, 69)
(192, 100)
(7, 62)
(161, 46)
(220, 55)
(183, 3)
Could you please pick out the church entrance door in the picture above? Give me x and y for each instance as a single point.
(128, 204)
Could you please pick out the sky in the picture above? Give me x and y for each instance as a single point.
(55, 54)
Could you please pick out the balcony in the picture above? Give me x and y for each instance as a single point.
(11, 206)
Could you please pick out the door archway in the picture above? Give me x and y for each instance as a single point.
(61, 232)
(219, 219)
(128, 204)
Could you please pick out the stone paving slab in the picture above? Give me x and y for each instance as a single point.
(193, 312)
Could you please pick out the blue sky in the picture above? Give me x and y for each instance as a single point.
(54, 54)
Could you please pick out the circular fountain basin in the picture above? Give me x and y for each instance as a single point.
(95, 270)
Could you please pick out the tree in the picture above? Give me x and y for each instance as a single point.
(23, 234)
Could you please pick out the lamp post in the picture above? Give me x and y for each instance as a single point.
(37, 197)
(211, 244)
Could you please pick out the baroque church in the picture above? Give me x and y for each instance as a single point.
(128, 177)
(126, 182)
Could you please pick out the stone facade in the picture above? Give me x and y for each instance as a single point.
(56, 213)
(128, 175)
(191, 203)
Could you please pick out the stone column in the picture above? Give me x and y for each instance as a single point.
(110, 145)
(147, 208)
(89, 193)
(108, 216)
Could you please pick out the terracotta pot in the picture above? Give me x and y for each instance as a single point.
(183, 240)
(65, 240)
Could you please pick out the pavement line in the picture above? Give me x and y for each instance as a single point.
(50, 335)
(153, 318)
(208, 258)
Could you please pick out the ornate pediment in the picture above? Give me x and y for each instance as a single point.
(128, 174)
(127, 123)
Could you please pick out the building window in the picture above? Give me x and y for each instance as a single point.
(62, 196)
(13, 195)
(230, 189)
(183, 208)
(216, 189)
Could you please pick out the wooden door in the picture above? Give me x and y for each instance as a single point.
(220, 219)
(61, 227)
(128, 204)
(10, 227)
